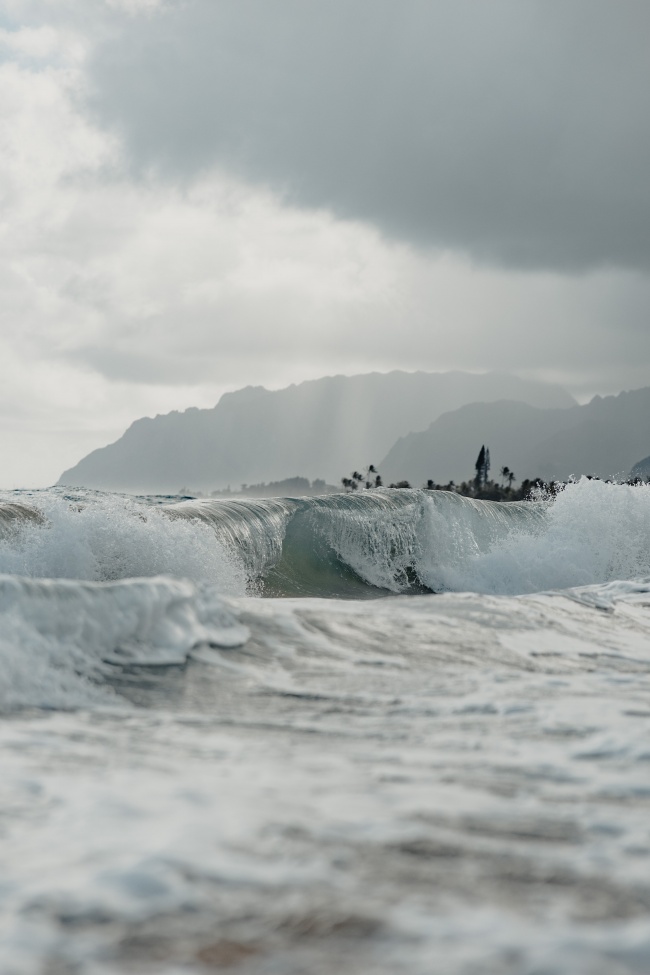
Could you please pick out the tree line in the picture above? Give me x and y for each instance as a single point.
(481, 486)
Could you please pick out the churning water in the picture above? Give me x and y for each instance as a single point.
(396, 731)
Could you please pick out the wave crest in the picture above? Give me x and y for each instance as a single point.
(349, 546)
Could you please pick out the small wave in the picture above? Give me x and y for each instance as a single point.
(60, 640)
(15, 513)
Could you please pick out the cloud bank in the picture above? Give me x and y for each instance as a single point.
(515, 131)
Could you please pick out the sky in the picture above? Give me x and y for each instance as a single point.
(198, 195)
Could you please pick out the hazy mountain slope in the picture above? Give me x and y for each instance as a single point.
(612, 434)
(603, 437)
(449, 448)
(641, 469)
(323, 428)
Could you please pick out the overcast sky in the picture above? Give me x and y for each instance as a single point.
(197, 195)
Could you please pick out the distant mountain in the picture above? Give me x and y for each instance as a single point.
(641, 469)
(603, 437)
(318, 429)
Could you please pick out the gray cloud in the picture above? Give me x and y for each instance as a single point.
(516, 130)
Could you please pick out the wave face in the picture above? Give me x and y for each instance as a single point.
(346, 546)
(413, 541)
(360, 545)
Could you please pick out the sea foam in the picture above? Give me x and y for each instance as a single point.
(591, 533)
(102, 537)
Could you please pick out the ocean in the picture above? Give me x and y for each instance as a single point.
(385, 732)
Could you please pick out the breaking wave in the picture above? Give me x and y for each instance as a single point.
(93, 583)
(413, 541)
(346, 546)
(102, 538)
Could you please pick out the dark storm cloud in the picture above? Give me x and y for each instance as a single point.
(516, 131)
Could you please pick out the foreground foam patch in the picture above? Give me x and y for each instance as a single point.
(60, 638)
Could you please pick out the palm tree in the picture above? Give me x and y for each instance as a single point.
(357, 480)
(377, 479)
(479, 466)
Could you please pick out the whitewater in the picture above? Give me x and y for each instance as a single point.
(392, 731)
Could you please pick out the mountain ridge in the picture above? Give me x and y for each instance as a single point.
(603, 437)
(320, 428)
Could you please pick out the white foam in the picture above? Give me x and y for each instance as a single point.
(102, 537)
(592, 533)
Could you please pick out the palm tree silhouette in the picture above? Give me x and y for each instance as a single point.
(507, 475)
